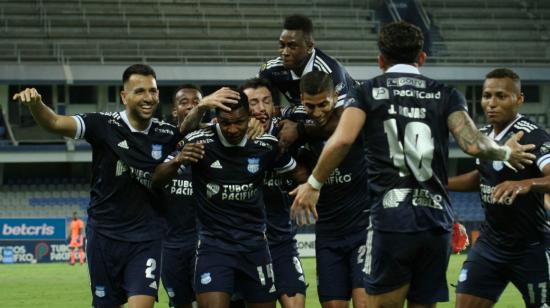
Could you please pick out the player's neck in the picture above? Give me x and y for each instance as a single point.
(300, 69)
(137, 123)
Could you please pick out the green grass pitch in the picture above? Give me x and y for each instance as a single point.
(61, 285)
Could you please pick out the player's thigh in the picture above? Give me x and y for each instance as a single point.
(359, 297)
(429, 282)
(142, 271)
(177, 274)
(296, 301)
(390, 299)
(288, 270)
(531, 276)
(141, 301)
(481, 279)
(213, 300)
(255, 277)
(333, 272)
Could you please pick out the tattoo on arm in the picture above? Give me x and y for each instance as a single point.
(192, 120)
(471, 140)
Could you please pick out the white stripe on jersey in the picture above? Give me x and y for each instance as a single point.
(199, 133)
(267, 137)
(367, 267)
(543, 161)
(80, 127)
(340, 101)
(320, 61)
(276, 60)
(289, 167)
(526, 126)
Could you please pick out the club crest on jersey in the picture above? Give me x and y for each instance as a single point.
(253, 165)
(498, 165)
(100, 291)
(156, 151)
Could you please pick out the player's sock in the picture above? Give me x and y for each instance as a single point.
(81, 256)
(72, 257)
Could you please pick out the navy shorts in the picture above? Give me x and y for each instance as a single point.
(287, 267)
(121, 269)
(420, 259)
(339, 266)
(249, 274)
(486, 275)
(178, 265)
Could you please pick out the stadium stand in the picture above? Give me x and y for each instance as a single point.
(467, 206)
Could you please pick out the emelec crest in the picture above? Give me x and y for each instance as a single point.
(253, 165)
(156, 151)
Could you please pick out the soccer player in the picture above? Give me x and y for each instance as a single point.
(406, 118)
(343, 209)
(124, 228)
(77, 239)
(514, 244)
(299, 56)
(228, 171)
(180, 240)
(289, 275)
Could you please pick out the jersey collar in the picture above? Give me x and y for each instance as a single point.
(307, 69)
(226, 143)
(403, 68)
(124, 117)
(504, 131)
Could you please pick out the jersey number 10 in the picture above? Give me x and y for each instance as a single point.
(416, 151)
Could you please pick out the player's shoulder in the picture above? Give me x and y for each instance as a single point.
(265, 141)
(203, 135)
(162, 127)
(272, 65)
(526, 125)
(486, 129)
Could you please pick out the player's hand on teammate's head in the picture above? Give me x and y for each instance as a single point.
(220, 99)
(255, 128)
(507, 191)
(28, 96)
(191, 153)
(288, 134)
(520, 156)
(304, 205)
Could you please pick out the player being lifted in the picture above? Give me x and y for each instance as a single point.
(124, 229)
(406, 118)
(514, 245)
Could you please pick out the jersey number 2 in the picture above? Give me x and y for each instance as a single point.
(416, 151)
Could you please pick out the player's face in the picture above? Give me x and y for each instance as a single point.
(293, 48)
(261, 105)
(141, 97)
(501, 100)
(184, 101)
(233, 124)
(319, 107)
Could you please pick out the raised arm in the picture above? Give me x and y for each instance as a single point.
(473, 142)
(44, 116)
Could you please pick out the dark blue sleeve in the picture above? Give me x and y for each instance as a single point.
(456, 102)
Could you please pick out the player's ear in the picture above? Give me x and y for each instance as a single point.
(174, 113)
(123, 96)
(421, 59)
(381, 62)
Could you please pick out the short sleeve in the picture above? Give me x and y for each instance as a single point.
(90, 126)
(357, 97)
(456, 102)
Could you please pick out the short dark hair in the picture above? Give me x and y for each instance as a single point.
(300, 22)
(256, 83)
(243, 103)
(503, 72)
(185, 86)
(316, 82)
(139, 69)
(400, 42)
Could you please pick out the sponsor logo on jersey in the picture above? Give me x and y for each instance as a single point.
(417, 94)
(216, 165)
(380, 93)
(406, 81)
(212, 189)
(253, 165)
(206, 278)
(544, 148)
(164, 131)
(156, 151)
(123, 144)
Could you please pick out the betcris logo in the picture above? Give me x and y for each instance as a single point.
(32, 229)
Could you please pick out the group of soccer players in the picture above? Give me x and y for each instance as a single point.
(211, 197)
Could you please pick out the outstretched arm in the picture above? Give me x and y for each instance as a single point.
(44, 116)
(473, 142)
(465, 182)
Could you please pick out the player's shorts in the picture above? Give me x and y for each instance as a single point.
(420, 259)
(248, 273)
(339, 266)
(76, 242)
(487, 278)
(119, 269)
(289, 275)
(178, 265)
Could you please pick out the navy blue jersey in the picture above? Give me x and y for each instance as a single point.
(180, 210)
(122, 205)
(342, 206)
(228, 186)
(288, 83)
(513, 226)
(277, 202)
(406, 138)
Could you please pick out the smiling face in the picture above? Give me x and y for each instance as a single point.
(501, 101)
(260, 104)
(319, 107)
(184, 100)
(141, 98)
